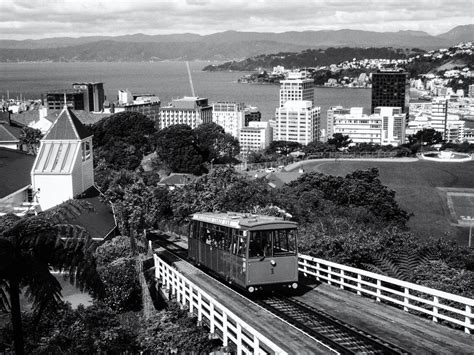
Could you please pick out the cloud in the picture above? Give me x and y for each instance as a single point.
(20, 19)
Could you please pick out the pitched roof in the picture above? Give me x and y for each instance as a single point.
(15, 167)
(177, 179)
(67, 127)
(100, 222)
(9, 133)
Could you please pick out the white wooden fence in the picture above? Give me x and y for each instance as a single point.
(221, 321)
(437, 304)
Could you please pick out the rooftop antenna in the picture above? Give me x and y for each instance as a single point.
(190, 79)
(65, 101)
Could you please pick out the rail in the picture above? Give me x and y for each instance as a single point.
(437, 304)
(221, 321)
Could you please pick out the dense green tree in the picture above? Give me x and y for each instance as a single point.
(339, 140)
(318, 147)
(214, 144)
(122, 139)
(426, 136)
(178, 150)
(283, 147)
(30, 248)
(30, 137)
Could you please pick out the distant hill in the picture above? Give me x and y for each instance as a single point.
(308, 58)
(218, 46)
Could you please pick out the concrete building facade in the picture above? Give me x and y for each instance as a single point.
(297, 121)
(257, 136)
(296, 87)
(191, 111)
(230, 116)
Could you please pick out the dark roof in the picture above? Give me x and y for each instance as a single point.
(25, 118)
(87, 118)
(9, 133)
(281, 178)
(177, 179)
(15, 168)
(67, 127)
(100, 222)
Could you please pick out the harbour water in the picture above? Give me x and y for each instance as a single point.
(168, 80)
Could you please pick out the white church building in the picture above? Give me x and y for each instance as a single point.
(63, 167)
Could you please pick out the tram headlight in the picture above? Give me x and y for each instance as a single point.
(272, 262)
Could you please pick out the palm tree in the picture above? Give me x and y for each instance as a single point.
(32, 247)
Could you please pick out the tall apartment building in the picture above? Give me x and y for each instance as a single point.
(296, 87)
(89, 97)
(385, 126)
(439, 115)
(230, 116)
(390, 88)
(191, 111)
(257, 136)
(332, 112)
(297, 121)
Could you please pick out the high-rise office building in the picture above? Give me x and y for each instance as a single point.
(297, 121)
(94, 96)
(257, 136)
(332, 112)
(192, 111)
(230, 116)
(390, 88)
(296, 87)
(89, 97)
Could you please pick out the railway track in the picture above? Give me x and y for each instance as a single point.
(340, 336)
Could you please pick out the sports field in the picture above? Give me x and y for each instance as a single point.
(426, 189)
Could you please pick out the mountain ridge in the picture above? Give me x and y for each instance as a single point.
(226, 45)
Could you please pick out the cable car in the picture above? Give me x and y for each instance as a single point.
(251, 251)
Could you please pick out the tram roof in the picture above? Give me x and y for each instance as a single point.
(243, 220)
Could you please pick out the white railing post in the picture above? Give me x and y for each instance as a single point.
(406, 299)
(467, 328)
(225, 330)
(305, 267)
(359, 284)
(435, 308)
(379, 291)
(256, 345)
(341, 286)
(329, 275)
(239, 338)
(199, 306)
(317, 272)
(211, 317)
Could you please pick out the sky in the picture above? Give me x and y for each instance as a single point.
(35, 19)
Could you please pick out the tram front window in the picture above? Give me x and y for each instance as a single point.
(260, 244)
(284, 242)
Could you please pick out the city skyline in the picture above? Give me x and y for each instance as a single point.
(22, 19)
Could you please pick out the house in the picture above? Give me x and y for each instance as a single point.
(9, 132)
(177, 180)
(62, 170)
(15, 188)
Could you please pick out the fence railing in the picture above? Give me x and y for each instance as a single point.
(438, 305)
(221, 322)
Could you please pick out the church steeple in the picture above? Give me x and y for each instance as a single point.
(67, 127)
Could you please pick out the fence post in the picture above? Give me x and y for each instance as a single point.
(435, 308)
(239, 338)
(342, 280)
(305, 267)
(467, 328)
(379, 292)
(406, 300)
(225, 331)
(211, 316)
(317, 272)
(199, 307)
(359, 285)
(329, 275)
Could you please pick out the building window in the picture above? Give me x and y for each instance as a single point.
(86, 151)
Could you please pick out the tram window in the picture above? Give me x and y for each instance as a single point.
(242, 246)
(233, 241)
(227, 238)
(260, 244)
(284, 242)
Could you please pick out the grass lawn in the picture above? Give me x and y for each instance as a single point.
(418, 186)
